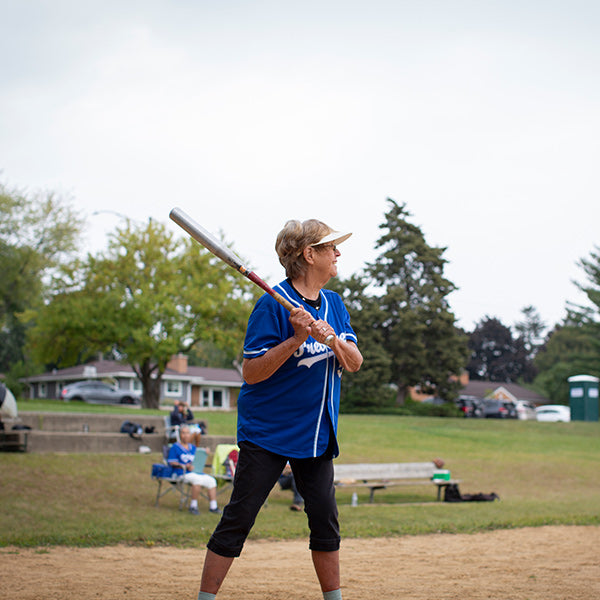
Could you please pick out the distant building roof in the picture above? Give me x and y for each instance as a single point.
(231, 376)
(481, 389)
(112, 368)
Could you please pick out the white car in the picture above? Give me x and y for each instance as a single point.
(525, 410)
(553, 412)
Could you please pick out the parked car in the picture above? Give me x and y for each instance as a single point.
(498, 409)
(553, 413)
(470, 406)
(435, 401)
(96, 392)
(525, 410)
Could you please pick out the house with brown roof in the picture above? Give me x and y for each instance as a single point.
(502, 391)
(489, 389)
(201, 387)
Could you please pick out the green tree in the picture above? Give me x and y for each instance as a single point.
(496, 355)
(414, 321)
(569, 350)
(591, 268)
(531, 329)
(369, 388)
(38, 233)
(590, 316)
(573, 347)
(148, 297)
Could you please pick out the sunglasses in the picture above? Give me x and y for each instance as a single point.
(327, 246)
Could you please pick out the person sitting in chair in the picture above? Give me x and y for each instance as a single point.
(182, 415)
(181, 458)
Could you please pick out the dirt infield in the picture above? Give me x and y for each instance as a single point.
(545, 563)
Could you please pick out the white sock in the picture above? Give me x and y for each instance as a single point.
(333, 595)
(212, 504)
(193, 503)
(206, 596)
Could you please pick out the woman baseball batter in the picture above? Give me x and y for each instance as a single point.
(289, 402)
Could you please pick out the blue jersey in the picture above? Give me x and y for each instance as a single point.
(293, 412)
(178, 453)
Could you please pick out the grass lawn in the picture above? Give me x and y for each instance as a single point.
(544, 473)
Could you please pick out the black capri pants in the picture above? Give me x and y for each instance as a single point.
(257, 472)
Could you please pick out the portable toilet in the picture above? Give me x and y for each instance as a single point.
(583, 397)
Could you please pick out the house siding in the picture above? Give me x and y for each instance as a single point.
(193, 381)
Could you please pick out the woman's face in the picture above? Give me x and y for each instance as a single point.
(325, 260)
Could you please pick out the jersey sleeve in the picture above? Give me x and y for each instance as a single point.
(174, 452)
(268, 326)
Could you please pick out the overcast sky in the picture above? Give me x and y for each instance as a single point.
(483, 116)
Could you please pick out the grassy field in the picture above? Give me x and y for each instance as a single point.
(544, 473)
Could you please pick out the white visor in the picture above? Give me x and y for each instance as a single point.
(335, 237)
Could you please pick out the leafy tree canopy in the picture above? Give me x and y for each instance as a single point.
(148, 297)
(496, 355)
(38, 232)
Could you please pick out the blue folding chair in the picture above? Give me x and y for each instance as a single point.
(165, 473)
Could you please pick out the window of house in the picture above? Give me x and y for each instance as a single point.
(214, 398)
(173, 388)
(136, 385)
(43, 390)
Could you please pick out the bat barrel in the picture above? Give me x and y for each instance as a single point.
(206, 239)
(226, 255)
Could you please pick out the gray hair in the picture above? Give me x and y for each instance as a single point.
(291, 241)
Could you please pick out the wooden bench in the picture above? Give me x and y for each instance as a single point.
(379, 476)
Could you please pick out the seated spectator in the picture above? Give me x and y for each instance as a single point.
(287, 482)
(181, 458)
(181, 414)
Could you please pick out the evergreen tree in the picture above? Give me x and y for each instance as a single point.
(369, 388)
(573, 347)
(568, 350)
(531, 329)
(413, 317)
(590, 316)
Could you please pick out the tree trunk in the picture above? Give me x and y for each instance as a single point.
(151, 387)
(401, 395)
(151, 378)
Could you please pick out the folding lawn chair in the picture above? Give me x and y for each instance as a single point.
(164, 473)
(219, 466)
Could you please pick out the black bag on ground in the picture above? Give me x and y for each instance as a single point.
(452, 494)
(480, 497)
(133, 429)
